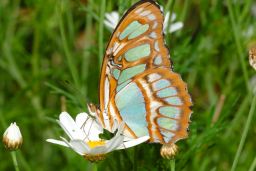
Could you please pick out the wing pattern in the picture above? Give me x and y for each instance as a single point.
(137, 84)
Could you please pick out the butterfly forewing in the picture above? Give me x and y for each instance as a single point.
(135, 55)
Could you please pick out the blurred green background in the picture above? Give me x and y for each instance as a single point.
(50, 49)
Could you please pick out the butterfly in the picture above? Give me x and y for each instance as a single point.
(137, 83)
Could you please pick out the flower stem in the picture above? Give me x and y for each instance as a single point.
(70, 61)
(94, 167)
(14, 159)
(236, 31)
(172, 163)
(253, 165)
(135, 159)
(245, 132)
(101, 32)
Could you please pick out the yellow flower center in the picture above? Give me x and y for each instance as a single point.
(93, 144)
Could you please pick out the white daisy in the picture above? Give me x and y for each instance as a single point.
(174, 26)
(84, 137)
(112, 19)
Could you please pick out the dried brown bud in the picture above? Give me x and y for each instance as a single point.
(168, 151)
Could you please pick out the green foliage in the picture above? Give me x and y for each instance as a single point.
(50, 49)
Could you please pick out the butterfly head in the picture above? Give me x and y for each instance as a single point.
(93, 110)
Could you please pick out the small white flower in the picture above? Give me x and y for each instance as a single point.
(12, 137)
(84, 137)
(174, 26)
(112, 19)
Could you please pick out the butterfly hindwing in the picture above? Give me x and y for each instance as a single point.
(155, 102)
(135, 55)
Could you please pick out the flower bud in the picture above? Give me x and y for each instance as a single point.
(252, 57)
(12, 137)
(168, 151)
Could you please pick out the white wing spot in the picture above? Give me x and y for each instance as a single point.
(153, 77)
(144, 13)
(153, 35)
(118, 49)
(109, 51)
(156, 46)
(151, 17)
(139, 10)
(116, 44)
(155, 25)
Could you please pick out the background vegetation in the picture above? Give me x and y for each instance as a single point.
(50, 49)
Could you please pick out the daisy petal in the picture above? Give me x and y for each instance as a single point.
(111, 20)
(57, 142)
(117, 139)
(128, 138)
(166, 19)
(175, 26)
(81, 119)
(70, 127)
(98, 150)
(120, 129)
(134, 142)
(70, 146)
(173, 17)
(79, 146)
(109, 25)
(108, 16)
(89, 126)
(115, 17)
(114, 143)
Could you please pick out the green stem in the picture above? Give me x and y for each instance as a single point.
(101, 31)
(245, 132)
(87, 47)
(94, 167)
(253, 166)
(236, 31)
(68, 55)
(185, 10)
(15, 162)
(8, 44)
(169, 7)
(172, 163)
(246, 9)
(135, 159)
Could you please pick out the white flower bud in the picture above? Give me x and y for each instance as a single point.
(12, 137)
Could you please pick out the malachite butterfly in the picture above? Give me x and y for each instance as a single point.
(137, 84)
